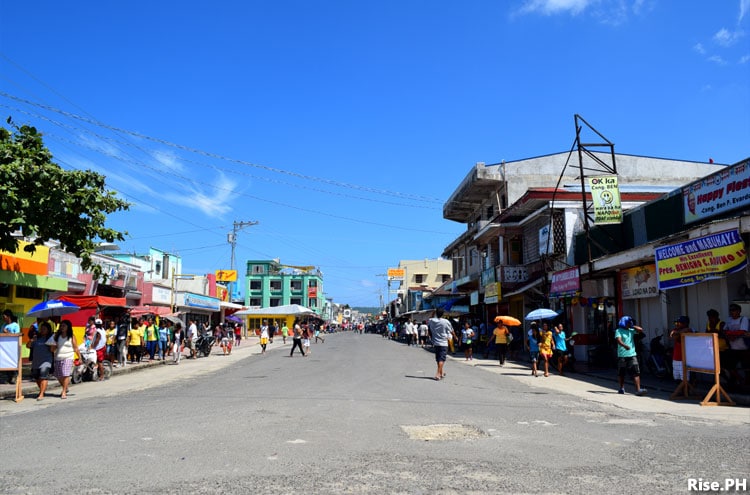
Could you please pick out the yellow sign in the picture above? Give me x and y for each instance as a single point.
(396, 273)
(492, 293)
(226, 275)
(606, 197)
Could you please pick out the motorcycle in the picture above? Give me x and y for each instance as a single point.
(85, 366)
(659, 362)
(204, 344)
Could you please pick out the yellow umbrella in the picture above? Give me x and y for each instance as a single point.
(507, 320)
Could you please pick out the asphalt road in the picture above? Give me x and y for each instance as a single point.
(362, 415)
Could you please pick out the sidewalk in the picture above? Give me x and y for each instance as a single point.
(29, 388)
(601, 385)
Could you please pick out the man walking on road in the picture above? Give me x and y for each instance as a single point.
(440, 331)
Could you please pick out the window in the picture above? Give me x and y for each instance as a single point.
(157, 268)
(276, 285)
(445, 277)
(419, 278)
(312, 283)
(28, 292)
(255, 285)
(275, 301)
(490, 212)
(258, 269)
(296, 286)
(4, 290)
(313, 303)
(296, 300)
(254, 301)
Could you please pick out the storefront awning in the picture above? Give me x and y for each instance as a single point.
(85, 302)
(524, 288)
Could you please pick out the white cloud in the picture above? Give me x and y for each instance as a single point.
(212, 201)
(717, 60)
(725, 37)
(168, 159)
(744, 7)
(368, 283)
(744, 59)
(551, 7)
(699, 48)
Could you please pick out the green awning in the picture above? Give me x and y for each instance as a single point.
(36, 281)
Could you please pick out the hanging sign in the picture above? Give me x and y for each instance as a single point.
(639, 282)
(696, 260)
(717, 193)
(605, 194)
(565, 282)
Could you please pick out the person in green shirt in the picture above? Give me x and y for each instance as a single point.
(626, 356)
(151, 334)
(284, 332)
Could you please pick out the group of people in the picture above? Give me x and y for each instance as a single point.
(53, 346)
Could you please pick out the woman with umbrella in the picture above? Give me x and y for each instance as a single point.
(501, 334)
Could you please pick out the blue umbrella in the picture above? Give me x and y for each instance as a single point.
(54, 307)
(541, 314)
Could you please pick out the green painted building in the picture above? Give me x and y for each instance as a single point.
(270, 283)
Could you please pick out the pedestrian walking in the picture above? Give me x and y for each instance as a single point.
(546, 346)
(177, 342)
(626, 356)
(501, 333)
(318, 336)
(306, 339)
(65, 346)
(441, 332)
(297, 340)
(263, 338)
(533, 347)
(467, 340)
(284, 332)
(42, 357)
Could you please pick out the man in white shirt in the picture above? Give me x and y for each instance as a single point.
(192, 336)
(440, 331)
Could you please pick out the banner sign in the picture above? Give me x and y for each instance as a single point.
(544, 241)
(717, 193)
(396, 273)
(492, 293)
(226, 275)
(639, 282)
(696, 260)
(565, 282)
(605, 195)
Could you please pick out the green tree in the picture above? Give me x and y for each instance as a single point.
(45, 202)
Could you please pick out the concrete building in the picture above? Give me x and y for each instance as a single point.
(420, 277)
(269, 283)
(522, 217)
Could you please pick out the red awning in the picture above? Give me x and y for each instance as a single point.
(88, 302)
(150, 310)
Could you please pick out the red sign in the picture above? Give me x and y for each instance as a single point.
(312, 292)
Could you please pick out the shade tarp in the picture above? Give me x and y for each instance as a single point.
(150, 310)
(87, 302)
(285, 310)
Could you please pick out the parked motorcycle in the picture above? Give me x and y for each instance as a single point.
(659, 362)
(85, 367)
(204, 344)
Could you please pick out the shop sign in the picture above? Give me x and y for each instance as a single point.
(492, 293)
(161, 295)
(226, 275)
(488, 276)
(565, 282)
(544, 241)
(396, 273)
(717, 193)
(639, 282)
(203, 302)
(605, 194)
(697, 260)
(474, 298)
(513, 274)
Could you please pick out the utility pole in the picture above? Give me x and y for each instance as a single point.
(232, 239)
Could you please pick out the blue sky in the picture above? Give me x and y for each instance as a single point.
(343, 126)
